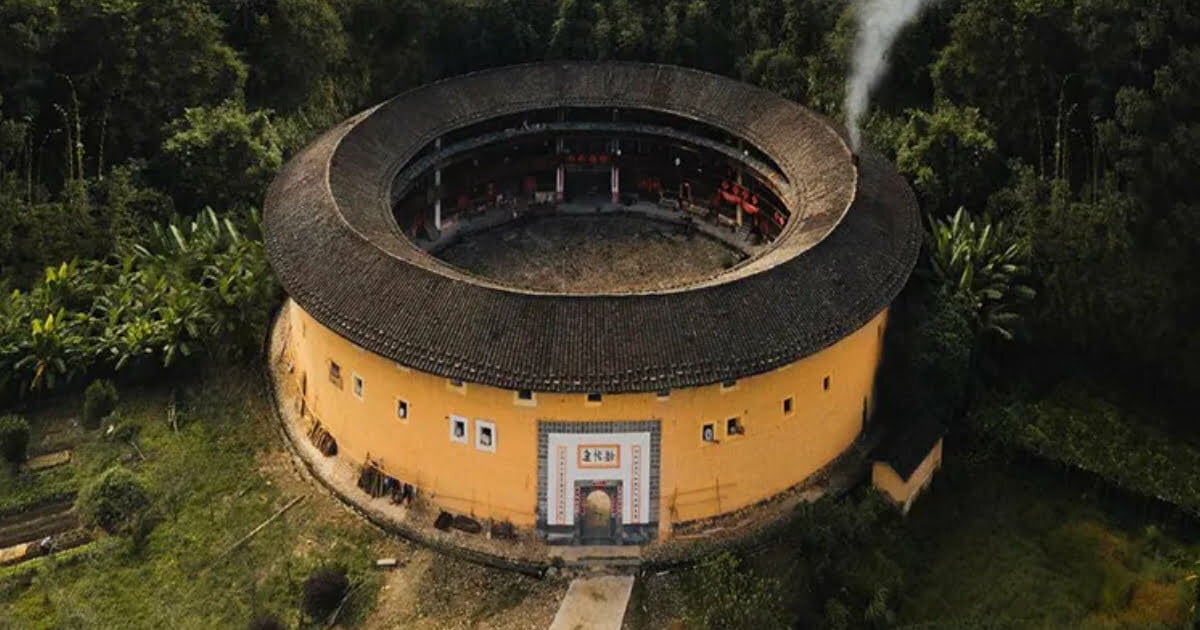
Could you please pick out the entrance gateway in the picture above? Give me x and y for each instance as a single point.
(598, 482)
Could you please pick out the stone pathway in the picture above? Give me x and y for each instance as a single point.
(594, 603)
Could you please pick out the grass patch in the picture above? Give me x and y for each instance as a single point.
(211, 486)
(992, 545)
(1019, 548)
(1082, 428)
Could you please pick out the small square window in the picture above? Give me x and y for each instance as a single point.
(733, 426)
(525, 398)
(826, 383)
(335, 374)
(458, 429)
(663, 394)
(359, 386)
(787, 405)
(729, 384)
(402, 409)
(709, 433)
(594, 397)
(485, 436)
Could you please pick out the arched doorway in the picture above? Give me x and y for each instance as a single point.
(597, 523)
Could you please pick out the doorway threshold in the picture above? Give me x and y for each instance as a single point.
(594, 555)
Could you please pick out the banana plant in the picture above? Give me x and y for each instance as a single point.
(187, 322)
(201, 286)
(985, 264)
(53, 351)
(138, 337)
(70, 285)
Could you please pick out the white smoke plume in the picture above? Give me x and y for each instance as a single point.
(879, 24)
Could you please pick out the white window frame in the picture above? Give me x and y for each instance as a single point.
(480, 426)
(466, 424)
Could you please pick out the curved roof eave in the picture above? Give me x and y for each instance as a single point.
(337, 253)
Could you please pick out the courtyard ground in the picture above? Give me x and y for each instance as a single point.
(592, 253)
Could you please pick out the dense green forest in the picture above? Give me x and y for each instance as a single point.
(1054, 145)
(1073, 122)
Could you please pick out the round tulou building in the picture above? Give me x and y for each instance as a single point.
(590, 303)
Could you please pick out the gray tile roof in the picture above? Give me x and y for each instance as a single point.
(847, 252)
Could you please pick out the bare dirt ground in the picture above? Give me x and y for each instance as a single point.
(428, 591)
(432, 592)
(584, 254)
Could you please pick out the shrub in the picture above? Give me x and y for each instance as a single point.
(99, 400)
(14, 438)
(117, 501)
(266, 622)
(324, 590)
(124, 430)
(728, 595)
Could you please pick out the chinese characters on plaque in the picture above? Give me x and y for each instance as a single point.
(599, 456)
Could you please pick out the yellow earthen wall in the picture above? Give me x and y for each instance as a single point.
(904, 492)
(698, 479)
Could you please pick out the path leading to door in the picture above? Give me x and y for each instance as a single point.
(594, 603)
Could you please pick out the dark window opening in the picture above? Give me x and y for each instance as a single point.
(728, 383)
(335, 374)
(787, 405)
(826, 383)
(402, 409)
(709, 434)
(525, 394)
(734, 427)
(594, 397)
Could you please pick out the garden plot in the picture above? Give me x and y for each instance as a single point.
(21, 534)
